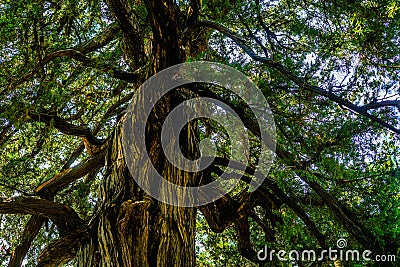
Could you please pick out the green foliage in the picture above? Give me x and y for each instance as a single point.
(350, 48)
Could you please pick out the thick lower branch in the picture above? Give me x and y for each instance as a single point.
(226, 210)
(63, 250)
(63, 216)
(49, 189)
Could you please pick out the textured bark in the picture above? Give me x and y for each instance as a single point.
(131, 228)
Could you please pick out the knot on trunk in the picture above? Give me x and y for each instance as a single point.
(129, 210)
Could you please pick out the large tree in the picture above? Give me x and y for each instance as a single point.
(69, 69)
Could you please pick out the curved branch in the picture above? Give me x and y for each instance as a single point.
(63, 250)
(345, 217)
(226, 210)
(271, 185)
(66, 127)
(351, 224)
(297, 80)
(63, 216)
(78, 52)
(49, 189)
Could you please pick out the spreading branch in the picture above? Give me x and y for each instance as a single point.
(49, 189)
(79, 53)
(269, 184)
(63, 216)
(61, 180)
(297, 80)
(381, 104)
(63, 249)
(349, 222)
(66, 127)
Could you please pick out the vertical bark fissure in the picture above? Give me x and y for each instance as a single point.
(133, 229)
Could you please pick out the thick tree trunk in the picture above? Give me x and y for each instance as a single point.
(132, 228)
